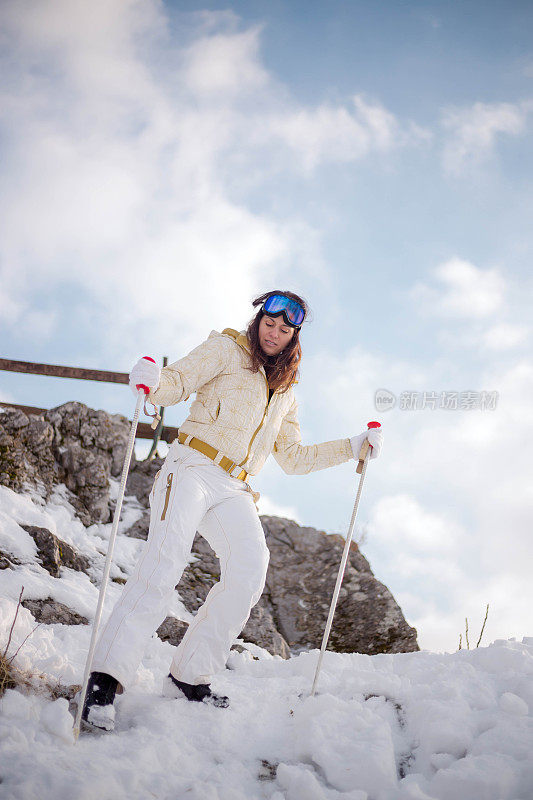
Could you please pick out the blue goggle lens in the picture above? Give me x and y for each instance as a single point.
(279, 304)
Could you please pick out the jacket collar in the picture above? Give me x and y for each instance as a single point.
(239, 336)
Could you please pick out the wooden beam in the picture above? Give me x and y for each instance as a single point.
(144, 430)
(58, 371)
(26, 409)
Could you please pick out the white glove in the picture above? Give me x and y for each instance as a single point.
(375, 438)
(146, 372)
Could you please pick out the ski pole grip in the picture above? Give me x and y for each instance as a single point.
(366, 447)
(146, 389)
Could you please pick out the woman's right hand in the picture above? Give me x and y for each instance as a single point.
(145, 372)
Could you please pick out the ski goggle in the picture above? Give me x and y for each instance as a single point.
(293, 312)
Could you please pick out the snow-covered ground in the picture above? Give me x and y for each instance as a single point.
(452, 726)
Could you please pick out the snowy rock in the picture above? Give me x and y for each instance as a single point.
(139, 529)
(79, 451)
(301, 578)
(70, 444)
(50, 611)
(54, 553)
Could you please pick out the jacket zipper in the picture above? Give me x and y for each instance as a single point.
(167, 496)
(259, 426)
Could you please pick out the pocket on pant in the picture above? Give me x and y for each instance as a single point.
(168, 492)
(152, 490)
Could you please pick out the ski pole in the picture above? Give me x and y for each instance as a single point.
(125, 469)
(364, 455)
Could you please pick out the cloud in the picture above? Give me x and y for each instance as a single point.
(10, 308)
(23, 319)
(448, 505)
(267, 506)
(505, 336)
(473, 306)
(474, 131)
(340, 134)
(225, 65)
(441, 572)
(400, 517)
(465, 291)
(129, 151)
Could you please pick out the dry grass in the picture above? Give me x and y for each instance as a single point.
(466, 632)
(7, 675)
(11, 677)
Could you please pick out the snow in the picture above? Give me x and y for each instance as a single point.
(411, 726)
(102, 716)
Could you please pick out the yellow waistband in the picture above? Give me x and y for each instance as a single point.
(223, 461)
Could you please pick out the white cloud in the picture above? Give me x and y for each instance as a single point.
(128, 155)
(438, 578)
(268, 507)
(25, 320)
(472, 305)
(474, 131)
(10, 307)
(225, 65)
(400, 518)
(447, 507)
(340, 134)
(465, 291)
(505, 336)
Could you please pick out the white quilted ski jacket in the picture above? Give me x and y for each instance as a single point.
(232, 413)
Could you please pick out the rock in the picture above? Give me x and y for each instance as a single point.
(50, 611)
(141, 478)
(82, 448)
(172, 630)
(304, 563)
(261, 630)
(25, 450)
(8, 561)
(70, 444)
(139, 529)
(54, 552)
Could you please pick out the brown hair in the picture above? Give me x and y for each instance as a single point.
(281, 370)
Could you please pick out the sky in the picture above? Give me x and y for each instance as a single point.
(164, 163)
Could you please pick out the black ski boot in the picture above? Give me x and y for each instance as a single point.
(200, 692)
(98, 709)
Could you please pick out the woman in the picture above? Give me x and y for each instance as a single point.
(244, 410)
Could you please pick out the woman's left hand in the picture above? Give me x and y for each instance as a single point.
(375, 439)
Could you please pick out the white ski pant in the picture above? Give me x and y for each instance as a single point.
(190, 493)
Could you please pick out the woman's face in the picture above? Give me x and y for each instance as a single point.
(274, 334)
